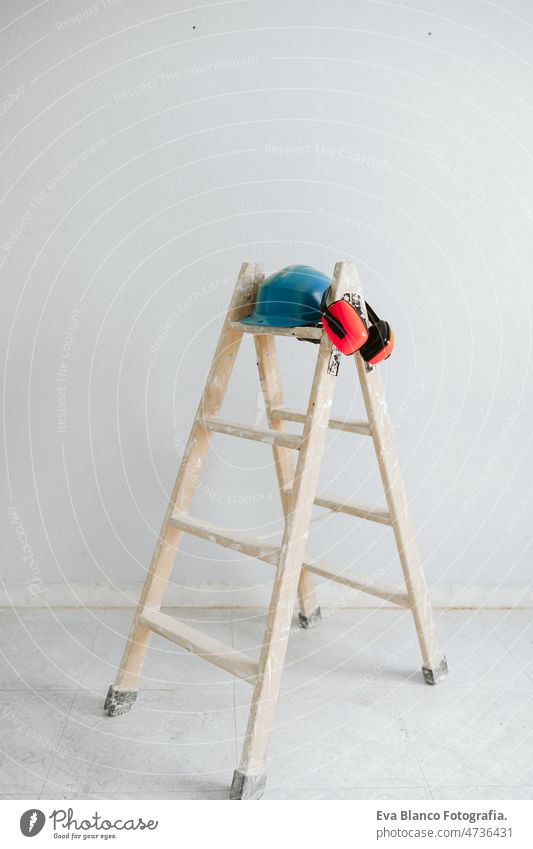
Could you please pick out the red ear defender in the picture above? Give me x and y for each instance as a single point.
(344, 325)
(349, 333)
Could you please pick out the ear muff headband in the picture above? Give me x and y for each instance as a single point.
(371, 314)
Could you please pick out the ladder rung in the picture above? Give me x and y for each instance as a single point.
(252, 546)
(258, 330)
(365, 585)
(349, 425)
(201, 644)
(270, 437)
(363, 511)
(258, 548)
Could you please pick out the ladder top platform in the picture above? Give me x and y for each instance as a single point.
(299, 332)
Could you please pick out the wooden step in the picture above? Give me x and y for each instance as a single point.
(259, 330)
(366, 585)
(201, 644)
(269, 553)
(349, 425)
(268, 436)
(362, 511)
(252, 546)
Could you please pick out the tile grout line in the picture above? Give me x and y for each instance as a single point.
(411, 745)
(511, 654)
(234, 687)
(433, 790)
(52, 759)
(62, 734)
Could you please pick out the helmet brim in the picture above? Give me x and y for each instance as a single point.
(278, 321)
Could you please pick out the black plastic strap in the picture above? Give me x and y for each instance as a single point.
(373, 317)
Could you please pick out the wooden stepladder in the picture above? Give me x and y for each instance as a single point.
(294, 567)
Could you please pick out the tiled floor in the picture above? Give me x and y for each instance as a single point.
(354, 719)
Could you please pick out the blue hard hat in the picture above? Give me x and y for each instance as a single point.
(290, 298)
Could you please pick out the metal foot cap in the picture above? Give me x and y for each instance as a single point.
(310, 621)
(433, 676)
(119, 701)
(247, 786)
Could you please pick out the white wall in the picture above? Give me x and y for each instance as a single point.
(147, 150)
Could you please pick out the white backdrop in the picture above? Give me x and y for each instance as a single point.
(147, 150)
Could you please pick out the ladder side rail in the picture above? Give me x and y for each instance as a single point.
(270, 377)
(249, 779)
(434, 664)
(189, 475)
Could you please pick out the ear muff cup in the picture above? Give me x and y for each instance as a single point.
(344, 326)
(349, 333)
(380, 343)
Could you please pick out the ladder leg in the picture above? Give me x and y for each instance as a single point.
(123, 692)
(269, 373)
(250, 778)
(434, 666)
